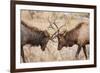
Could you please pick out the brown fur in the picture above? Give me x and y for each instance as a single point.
(33, 36)
(79, 35)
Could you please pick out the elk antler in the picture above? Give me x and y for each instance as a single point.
(55, 34)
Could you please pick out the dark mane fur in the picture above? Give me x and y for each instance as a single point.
(30, 28)
(78, 26)
(72, 32)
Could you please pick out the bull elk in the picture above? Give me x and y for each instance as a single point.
(34, 36)
(79, 35)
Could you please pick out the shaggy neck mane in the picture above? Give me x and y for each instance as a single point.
(30, 28)
(77, 27)
(71, 32)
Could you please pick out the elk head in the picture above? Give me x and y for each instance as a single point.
(57, 33)
(61, 40)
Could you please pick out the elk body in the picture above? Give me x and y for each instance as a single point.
(33, 36)
(79, 35)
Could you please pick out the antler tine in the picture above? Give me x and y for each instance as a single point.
(52, 37)
(50, 24)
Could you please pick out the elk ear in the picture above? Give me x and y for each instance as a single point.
(46, 33)
(64, 32)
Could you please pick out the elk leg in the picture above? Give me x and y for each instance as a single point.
(22, 54)
(84, 50)
(59, 46)
(78, 51)
(43, 47)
